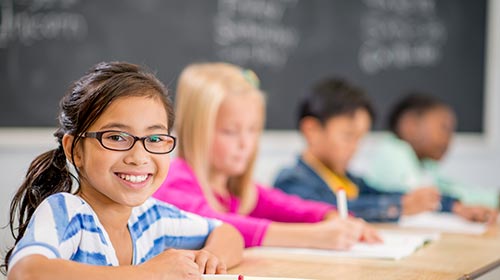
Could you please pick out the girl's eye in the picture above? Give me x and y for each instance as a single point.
(229, 131)
(155, 138)
(116, 137)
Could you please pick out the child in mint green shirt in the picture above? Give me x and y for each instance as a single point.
(421, 130)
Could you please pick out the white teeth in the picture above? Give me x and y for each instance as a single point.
(133, 178)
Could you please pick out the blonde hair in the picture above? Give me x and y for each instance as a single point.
(200, 92)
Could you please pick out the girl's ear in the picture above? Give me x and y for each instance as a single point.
(67, 142)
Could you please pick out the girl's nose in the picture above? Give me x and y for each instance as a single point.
(137, 155)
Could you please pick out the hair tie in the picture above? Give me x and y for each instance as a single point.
(251, 77)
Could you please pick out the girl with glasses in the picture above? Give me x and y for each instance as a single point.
(106, 226)
(220, 112)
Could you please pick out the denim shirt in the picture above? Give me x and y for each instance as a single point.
(372, 205)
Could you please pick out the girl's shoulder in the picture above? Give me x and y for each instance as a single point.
(64, 200)
(180, 170)
(62, 211)
(66, 204)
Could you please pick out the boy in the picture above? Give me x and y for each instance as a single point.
(333, 118)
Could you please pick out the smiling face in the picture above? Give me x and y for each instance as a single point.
(238, 126)
(124, 178)
(336, 142)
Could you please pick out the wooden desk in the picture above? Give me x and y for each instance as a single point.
(453, 256)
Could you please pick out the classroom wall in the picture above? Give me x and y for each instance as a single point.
(473, 158)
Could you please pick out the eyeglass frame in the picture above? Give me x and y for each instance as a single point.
(98, 135)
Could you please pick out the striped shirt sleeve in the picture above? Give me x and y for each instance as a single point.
(48, 230)
(157, 226)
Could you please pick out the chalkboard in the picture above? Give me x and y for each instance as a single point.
(386, 47)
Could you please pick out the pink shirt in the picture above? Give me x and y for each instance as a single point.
(182, 189)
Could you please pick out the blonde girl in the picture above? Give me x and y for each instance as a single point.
(220, 112)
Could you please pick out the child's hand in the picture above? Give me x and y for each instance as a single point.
(209, 263)
(369, 234)
(342, 234)
(421, 200)
(338, 234)
(173, 264)
(476, 213)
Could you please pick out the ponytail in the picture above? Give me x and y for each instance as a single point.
(48, 174)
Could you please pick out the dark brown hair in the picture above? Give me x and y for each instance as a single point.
(415, 102)
(333, 97)
(82, 105)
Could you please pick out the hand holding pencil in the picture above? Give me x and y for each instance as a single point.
(341, 234)
(369, 234)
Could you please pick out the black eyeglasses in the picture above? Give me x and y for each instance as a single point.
(122, 141)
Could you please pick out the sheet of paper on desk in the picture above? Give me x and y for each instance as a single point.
(240, 277)
(443, 222)
(396, 245)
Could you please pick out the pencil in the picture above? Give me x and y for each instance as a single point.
(342, 203)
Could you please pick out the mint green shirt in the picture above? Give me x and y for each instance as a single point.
(395, 167)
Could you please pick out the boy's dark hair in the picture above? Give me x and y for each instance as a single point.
(82, 105)
(415, 102)
(333, 97)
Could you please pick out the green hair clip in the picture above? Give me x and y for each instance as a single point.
(251, 77)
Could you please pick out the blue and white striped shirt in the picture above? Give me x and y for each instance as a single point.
(65, 226)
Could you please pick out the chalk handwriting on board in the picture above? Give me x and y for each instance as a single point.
(400, 34)
(387, 47)
(253, 32)
(30, 21)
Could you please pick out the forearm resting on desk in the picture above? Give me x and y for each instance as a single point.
(475, 213)
(338, 234)
(227, 244)
(224, 246)
(177, 265)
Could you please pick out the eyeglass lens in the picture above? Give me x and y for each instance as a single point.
(156, 143)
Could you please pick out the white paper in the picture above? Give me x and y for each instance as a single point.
(396, 245)
(443, 222)
(236, 277)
